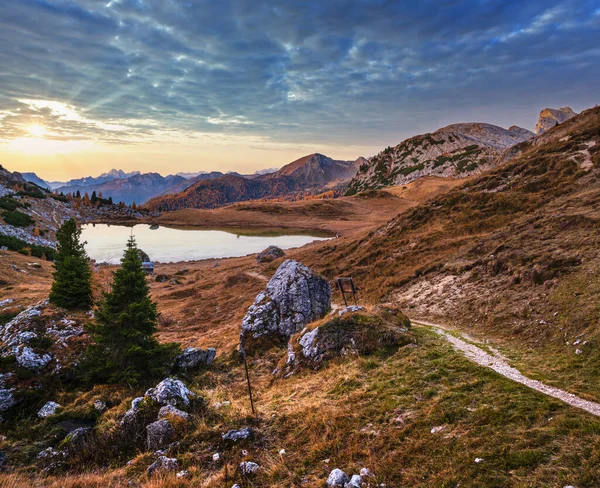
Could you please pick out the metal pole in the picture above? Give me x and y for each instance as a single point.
(248, 381)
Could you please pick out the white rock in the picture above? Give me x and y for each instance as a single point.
(366, 473)
(479, 460)
(437, 429)
(248, 467)
(48, 410)
(216, 457)
(183, 474)
(27, 358)
(337, 478)
(282, 452)
(355, 482)
(170, 410)
(163, 463)
(578, 351)
(170, 392)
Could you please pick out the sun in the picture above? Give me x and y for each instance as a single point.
(37, 130)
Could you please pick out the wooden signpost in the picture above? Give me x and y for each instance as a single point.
(347, 287)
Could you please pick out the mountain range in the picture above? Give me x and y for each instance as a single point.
(310, 173)
(458, 150)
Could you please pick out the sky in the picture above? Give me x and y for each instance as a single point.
(241, 85)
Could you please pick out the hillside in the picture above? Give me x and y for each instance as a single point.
(137, 188)
(512, 254)
(308, 174)
(458, 150)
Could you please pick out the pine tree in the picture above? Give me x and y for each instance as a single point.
(72, 286)
(124, 348)
(94, 197)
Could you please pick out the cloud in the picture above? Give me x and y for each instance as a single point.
(299, 71)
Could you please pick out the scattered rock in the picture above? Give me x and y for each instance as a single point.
(355, 482)
(183, 474)
(76, 439)
(270, 254)
(282, 452)
(163, 463)
(170, 410)
(171, 392)
(159, 434)
(294, 297)
(99, 405)
(578, 351)
(131, 414)
(28, 359)
(216, 457)
(48, 410)
(192, 357)
(351, 309)
(50, 453)
(248, 467)
(366, 473)
(337, 478)
(478, 460)
(7, 399)
(437, 429)
(236, 435)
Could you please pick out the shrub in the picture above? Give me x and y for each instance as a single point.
(17, 219)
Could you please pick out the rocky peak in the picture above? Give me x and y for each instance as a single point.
(549, 117)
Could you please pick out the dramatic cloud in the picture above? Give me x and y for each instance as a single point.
(301, 72)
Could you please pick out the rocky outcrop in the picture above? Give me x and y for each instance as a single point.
(270, 254)
(458, 150)
(550, 117)
(351, 331)
(159, 434)
(294, 297)
(28, 359)
(193, 357)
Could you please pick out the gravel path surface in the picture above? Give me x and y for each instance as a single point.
(499, 364)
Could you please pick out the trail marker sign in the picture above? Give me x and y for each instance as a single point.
(347, 287)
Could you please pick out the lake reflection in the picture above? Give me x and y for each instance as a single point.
(105, 243)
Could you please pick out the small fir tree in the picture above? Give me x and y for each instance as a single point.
(72, 285)
(124, 348)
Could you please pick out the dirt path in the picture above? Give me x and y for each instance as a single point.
(499, 364)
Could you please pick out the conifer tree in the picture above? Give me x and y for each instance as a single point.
(124, 348)
(72, 285)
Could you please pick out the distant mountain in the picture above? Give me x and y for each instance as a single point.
(137, 188)
(317, 170)
(549, 117)
(309, 173)
(184, 185)
(33, 178)
(228, 189)
(457, 150)
(113, 174)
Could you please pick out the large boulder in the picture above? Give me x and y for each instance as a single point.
(192, 357)
(294, 297)
(159, 434)
(337, 478)
(270, 254)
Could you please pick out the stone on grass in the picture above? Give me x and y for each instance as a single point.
(355, 482)
(163, 463)
(159, 434)
(248, 467)
(99, 405)
(170, 392)
(183, 474)
(294, 297)
(236, 435)
(192, 357)
(48, 410)
(337, 478)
